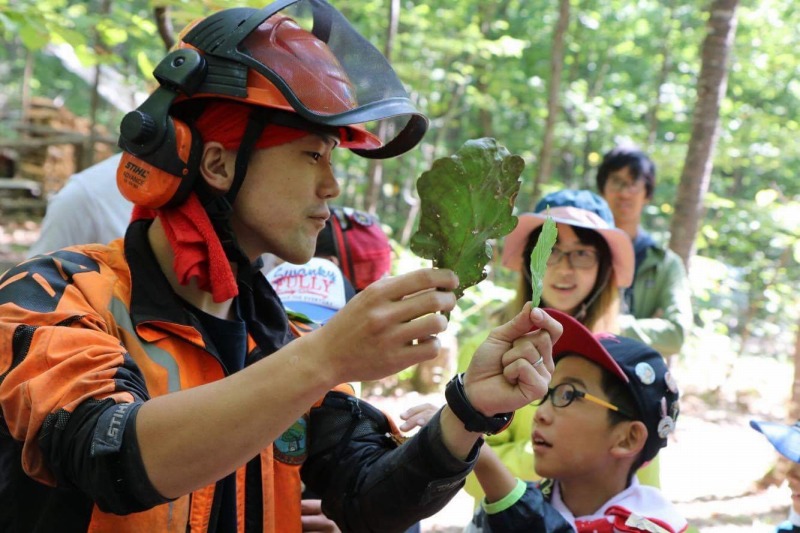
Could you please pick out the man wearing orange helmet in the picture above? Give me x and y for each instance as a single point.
(149, 385)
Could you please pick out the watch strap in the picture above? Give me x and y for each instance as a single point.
(473, 419)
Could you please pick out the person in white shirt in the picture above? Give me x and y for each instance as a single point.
(88, 209)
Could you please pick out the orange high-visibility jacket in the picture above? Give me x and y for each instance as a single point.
(87, 334)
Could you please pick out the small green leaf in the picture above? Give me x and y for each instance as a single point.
(32, 36)
(145, 65)
(7, 23)
(467, 199)
(113, 36)
(541, 252)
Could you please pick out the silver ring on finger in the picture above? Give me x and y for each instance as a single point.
(539, 361)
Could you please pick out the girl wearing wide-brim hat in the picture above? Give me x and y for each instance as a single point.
(590, 261)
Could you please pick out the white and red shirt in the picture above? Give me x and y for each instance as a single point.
(637, 508)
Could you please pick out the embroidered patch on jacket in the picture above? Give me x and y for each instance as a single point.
(292, 447)
(107, 438)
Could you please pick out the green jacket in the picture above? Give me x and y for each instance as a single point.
(661, 314)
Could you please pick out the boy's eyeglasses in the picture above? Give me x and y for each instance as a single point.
(564, 394)
(619, 185)
(576, 258)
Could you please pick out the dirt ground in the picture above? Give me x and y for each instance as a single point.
(712, 466)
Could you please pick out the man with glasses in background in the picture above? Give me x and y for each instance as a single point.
(658, 308)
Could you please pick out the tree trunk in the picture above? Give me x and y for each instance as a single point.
(85, 156)
(737, 181)
(711, 86)
(490, 12)
(374, 180)
(375, 168)
(27, 74)
(587, 180)
(666, 65)
(484, 115)
(553, 91)
(164, 25)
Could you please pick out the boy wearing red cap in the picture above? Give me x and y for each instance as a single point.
(149, 385)
(610, 407)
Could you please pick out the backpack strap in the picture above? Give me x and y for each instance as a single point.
(338, 223)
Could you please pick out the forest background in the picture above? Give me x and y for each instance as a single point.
(710, 89)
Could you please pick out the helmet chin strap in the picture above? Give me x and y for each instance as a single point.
(220, 207)
(254, 309)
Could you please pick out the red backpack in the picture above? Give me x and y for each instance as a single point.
(356, 239)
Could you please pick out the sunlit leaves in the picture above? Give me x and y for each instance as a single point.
(506, 46)
(765, 197)
(145, 65)
(32, 36)
(112, 36)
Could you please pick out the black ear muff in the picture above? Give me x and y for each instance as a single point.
(161, 153)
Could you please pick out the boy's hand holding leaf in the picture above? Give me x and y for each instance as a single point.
(466, 200)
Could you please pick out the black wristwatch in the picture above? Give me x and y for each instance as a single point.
(472, 419)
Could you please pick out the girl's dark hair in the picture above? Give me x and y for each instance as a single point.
(604, 283)
(619, 395)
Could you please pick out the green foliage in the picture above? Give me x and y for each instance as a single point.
(750, 293)
(467, 198)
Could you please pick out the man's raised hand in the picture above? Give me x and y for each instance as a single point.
(389, 326)
(512, 367)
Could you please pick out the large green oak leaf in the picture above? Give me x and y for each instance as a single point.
(466, 200)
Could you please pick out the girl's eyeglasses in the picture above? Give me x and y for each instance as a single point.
(564, 394)
(576, 258)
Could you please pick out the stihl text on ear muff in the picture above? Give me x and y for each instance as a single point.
(161, 153)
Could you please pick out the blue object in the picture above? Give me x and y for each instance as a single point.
(784, 438)
(580, 198)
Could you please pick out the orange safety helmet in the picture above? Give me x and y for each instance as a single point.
(325, 78)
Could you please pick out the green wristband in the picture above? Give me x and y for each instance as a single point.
(506, 501)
